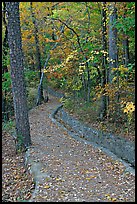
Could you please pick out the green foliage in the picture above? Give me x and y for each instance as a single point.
(7, 92)
(68, 103)
(131, 72)
(127, 25)
(31, 96)
(19, 143)
(8, 126)
(31, 78)
(5, 58)
(6, 82)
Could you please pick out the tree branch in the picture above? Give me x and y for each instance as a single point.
(78, 39)
(45, 65)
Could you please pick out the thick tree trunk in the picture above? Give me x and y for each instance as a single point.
(17, 76)
(113, 53)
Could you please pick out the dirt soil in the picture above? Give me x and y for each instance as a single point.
(67, 170)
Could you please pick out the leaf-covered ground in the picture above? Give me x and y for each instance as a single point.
(17, 183)
(72, 171)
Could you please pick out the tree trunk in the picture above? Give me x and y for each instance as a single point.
(104, 98)
(88, 84)
(113, 51)
(125, 42)
(38, 54)
(113, 54)
(17, 76)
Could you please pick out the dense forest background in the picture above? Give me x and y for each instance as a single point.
(84, 49)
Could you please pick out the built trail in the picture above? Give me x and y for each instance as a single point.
(68, 170)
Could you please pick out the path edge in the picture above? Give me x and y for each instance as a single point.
(56, 117)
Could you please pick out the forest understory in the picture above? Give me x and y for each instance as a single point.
(87, 114)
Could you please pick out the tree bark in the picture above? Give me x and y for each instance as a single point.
(113, 54)
(38, 54)
(125, 42)
(104, 98)
(17, 76)
(113, 51)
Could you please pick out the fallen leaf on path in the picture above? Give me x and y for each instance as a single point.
(88, 178)
(47, 186)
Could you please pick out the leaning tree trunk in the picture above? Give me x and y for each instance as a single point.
(17, 76)
(38, 54)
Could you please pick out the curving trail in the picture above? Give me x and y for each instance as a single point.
(66, 170)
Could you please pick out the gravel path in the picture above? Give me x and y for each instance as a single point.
(66, 170)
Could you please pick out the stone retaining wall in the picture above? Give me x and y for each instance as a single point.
(121, 147)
